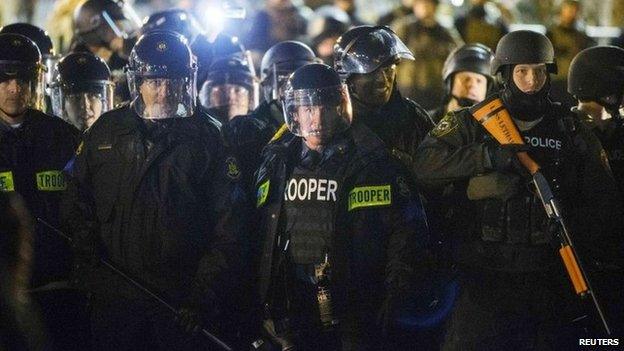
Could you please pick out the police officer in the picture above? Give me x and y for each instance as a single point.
(467, 78)
(277, 64)
(596, 79)
(108, 29)
(340, 224)
(366, 57)
(153, 191)
(482, 23)
(82, 90)
(230, 90)
(176, 20)
(249, 134)
(514, 290)
(34, 148)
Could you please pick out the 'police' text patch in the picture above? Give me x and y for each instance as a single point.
(6, 181)
(51, 181)
(370, 196)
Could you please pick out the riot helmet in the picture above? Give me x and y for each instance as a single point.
(175, 20)
(364, 49)
(99, 22)
(230, 90)
(597, 74)
(43, 42)
(524, 47)
(316, 104)
(161, 76)
(82, 89)
(209, 50)
(472, 58)
(524, 50)
(279, 62)
(20, 61)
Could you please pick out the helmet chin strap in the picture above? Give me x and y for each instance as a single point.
(463, 101)
(523, 106)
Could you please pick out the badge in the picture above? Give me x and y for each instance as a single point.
(445, 126)
(232, 170)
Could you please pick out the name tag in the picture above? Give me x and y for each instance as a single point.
(51, 181)
(370, 196)
(6, 181)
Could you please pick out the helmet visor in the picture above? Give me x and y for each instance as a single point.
(319, 113)
(366, 53)
(82, 107)
(29, 85)
(125, 23)
(231, 98)
(159, 98)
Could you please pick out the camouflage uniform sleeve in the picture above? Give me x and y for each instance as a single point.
(450, 152)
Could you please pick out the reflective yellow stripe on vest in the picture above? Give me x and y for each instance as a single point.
(6, 181)
(370, 196)
(51, 181)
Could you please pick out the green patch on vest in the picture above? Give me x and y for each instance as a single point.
(6, 181)
(263, 193)
(51, 181)
(370, 196)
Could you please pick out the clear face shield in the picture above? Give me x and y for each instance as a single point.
(230, 96)
(22, 88)
(273, 86)
(125, 24)
(82, 106)
(50, 62)
(160, 98)
(366, 53)
(317, 114)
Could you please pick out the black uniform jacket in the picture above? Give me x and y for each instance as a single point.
(163, 202)
(32, 158)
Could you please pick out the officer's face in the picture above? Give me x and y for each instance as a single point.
(159, 95)
(469, 85)
(235, 98)
(15, 95)
(530, 78)
(83, 109)
(374, 88)
(315, 124)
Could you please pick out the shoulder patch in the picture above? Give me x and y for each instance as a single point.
(370, 196)
(263, 193)
(232, 169)
(446, 125)
(6, 181)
